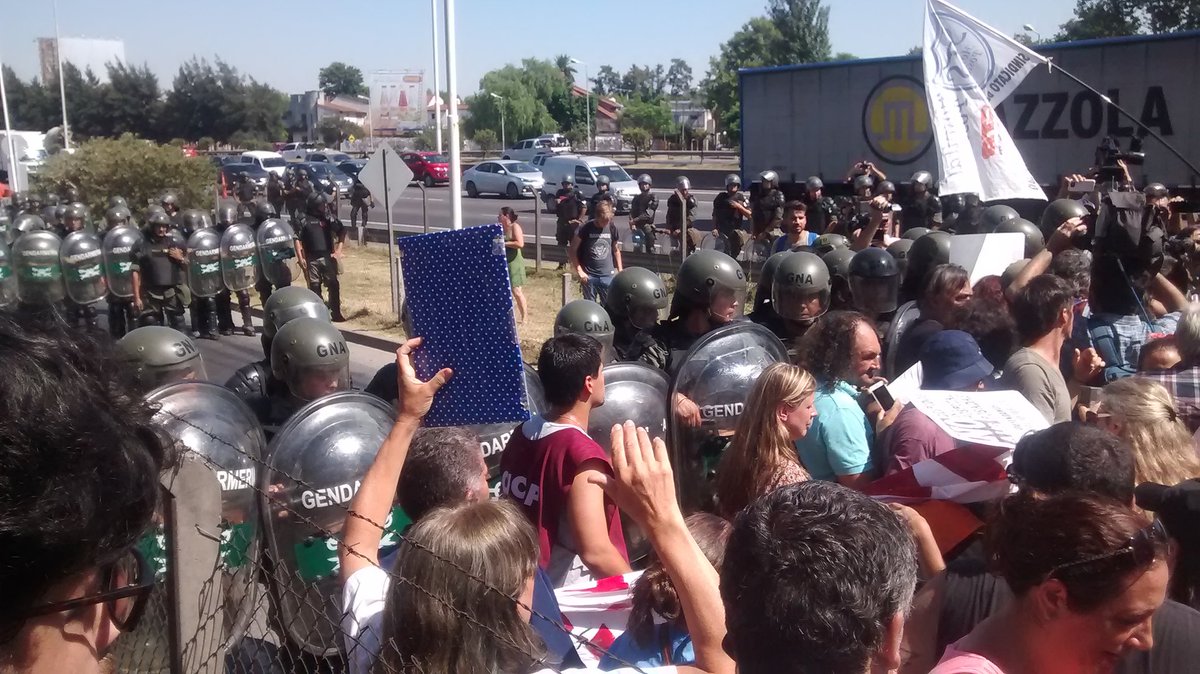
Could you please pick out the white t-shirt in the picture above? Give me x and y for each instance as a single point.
(363, 599)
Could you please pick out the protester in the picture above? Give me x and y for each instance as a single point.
(942, 302)
(1159, 354)
(550, 468)
(1119, 324)
(1044, 314)
(817, 578)
(656, 633)
(989, 321)
(762, 456)
(950, 361)
(795, 224)
(595, 254)
(842, 351)
(79, 470)
(1182, 381)
(1141, 413)
(1087, 575)
(514, 242)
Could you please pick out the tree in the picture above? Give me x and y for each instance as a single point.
(844, 56)
(132, 167)
(679, 78)
(426, 141)
(338, 79)
(1165, 16)
(753, 45)
(1102, 18)
(527, 91)
(803, 30)
(653, 117)
(566, 67)
(638, 139)
(606, 81)
(134, 101)
(486, 140)
(701, 138)
(334, 130)
(218, 101)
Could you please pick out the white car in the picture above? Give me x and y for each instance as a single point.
(524, 150)
(512, 179)
(329, 157)
(272, 162)
(297, 151)
(585, 171)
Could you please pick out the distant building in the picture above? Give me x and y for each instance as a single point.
(307, 110)
(83, 52)
(607, 112)
(431, 112)
(692, 115)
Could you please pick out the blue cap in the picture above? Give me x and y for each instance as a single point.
(951, 360)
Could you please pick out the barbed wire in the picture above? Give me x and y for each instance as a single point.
(517, 603)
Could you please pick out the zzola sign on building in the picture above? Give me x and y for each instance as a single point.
(820, 119)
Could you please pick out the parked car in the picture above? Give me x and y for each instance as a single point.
(235, 172)
(296, 151)
(429, 168)
(267, 161)
(525, 150)
(329, 157)
(352, 167)
(512, 179)
(585, 170)
(326, 176)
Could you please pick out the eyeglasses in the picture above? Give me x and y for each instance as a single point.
(1142, 547)
(126, 587)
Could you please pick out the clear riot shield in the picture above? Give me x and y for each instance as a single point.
(204, 263)
(38, 270)
(637, 392)
(318, 459)
(905, 316)
(239, 258)
(493, 437)
(8, 282)
(215, 427)
(82, 258)
(276, 246)
(717, 375)
(121, 246)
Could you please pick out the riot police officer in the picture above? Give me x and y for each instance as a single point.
(681, 209)
(922, 204)
(767, 212)
(264, 285)
(761, 311)
(729, 210)
(838, 263)
(82, 257)
(585, 317)
(74, 219)
(204, 280)
(822, 213)
(800, 294)
(227, 217)
(569, 211)
(642, 213)
(170, 204)
(603, 193)
(158, 356)
(35, 259)
(319, 249)
(311, 359)
(254, 380)
(710, 291)
(874, 282)
(160, 294)
(634, 302)
(117, 216)
(122, 246)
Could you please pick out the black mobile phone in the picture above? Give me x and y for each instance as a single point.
(879, 391)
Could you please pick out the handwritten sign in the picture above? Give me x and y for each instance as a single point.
(991, 418)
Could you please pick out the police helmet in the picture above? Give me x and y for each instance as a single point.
(194, 219)
(169, 199)
(915, 233)
(828, 242)
(159, 355)
(899, 250)
(227, 215)
(994, 215)
(72, 213)
(1058, 212)
(117, 215)
(28, 222)
(568, 179)
(768, 178)
(863, 182)
(585, 317)
(874, 281)
(638, 295)
(117, 200)
(713, 280)
(264, 211)
(932, 249)
(57, 213)
(316, 200)
(287, 304)
(682, 183)
(954, 203)
(645, 179)
(1034, 241)
(156, 217)
(923, 178)
(311, 356)
(733, 179)
(838, 261)
(602, 181)
(813, 184)
(1156, 191)
(800, 290)
(72, 195)
(885, 187)
(766, 278)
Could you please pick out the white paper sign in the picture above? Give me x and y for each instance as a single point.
(986, 254)
(908, 385)
(992, 418)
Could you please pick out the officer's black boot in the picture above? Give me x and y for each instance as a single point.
(91, 317)
(247, 319)
(116, 318)
(193, 317)
(210, 319)
(335, 301)
(224, 313)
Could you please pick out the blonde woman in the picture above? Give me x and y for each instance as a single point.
(1142, 413)
(763, 455)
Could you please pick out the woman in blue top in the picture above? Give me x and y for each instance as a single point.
(795, 223)
(656, 634)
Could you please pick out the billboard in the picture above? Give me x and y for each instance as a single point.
(397, 101)
(820, 119)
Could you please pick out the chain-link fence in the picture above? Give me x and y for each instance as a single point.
(229, 598)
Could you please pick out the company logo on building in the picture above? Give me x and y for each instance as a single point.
(896, 122)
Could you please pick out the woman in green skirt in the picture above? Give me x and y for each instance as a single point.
(514, 241)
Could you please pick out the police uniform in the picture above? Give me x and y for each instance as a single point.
(164, 292)
(633, 345)
(569, 205)
(676, 215)
(920, 212)
(767, 213)
(598, 197)
(821, 212)
(641, 217)
(728, 220)
(319, 237)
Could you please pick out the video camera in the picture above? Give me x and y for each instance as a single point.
(1109, 153)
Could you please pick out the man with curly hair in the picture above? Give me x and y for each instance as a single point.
(842, 351)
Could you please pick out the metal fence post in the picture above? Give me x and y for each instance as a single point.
(537, 234)
(424, 208)
(566, 289)
(400, 298)
(193, 513)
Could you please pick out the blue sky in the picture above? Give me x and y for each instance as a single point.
(286, 43)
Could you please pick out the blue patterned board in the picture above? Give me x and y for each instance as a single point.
(459, 300)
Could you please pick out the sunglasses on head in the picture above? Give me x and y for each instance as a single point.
(1142, 548)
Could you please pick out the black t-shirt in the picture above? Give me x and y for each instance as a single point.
(908, 351)
(596, 253)
(318, 236)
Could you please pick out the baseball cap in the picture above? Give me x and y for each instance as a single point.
(951, 360)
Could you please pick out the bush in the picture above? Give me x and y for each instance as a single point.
(334, 130)
(427, 140)
(206, 143)
(134, 168)
(486, 140)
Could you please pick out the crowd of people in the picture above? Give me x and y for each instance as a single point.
(781, 561)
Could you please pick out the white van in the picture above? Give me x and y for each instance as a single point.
(272, 162)
(525, 150)
(585, 171)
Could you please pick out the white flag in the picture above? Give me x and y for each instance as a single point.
(970, 68)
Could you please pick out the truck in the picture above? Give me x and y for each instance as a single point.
(821, 119)
(31, 154)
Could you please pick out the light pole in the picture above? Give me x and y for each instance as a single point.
(62, 86)
(503, 144)
(1029, 27)
(13, 178)
(455, 147)
(437, 81)
(589, 101)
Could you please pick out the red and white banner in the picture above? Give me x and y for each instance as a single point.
(597, 610)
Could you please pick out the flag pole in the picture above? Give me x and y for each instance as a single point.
(1147, 130)
(62, 85)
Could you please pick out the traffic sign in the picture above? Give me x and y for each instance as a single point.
(386, 175)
